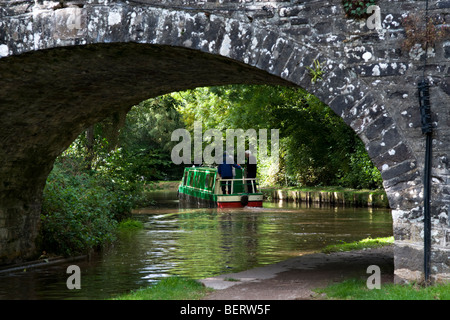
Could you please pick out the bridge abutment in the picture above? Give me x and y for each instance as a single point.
(409, 248)
(20, 210)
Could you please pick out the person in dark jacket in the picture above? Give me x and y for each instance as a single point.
(251, 171)
(225, 171)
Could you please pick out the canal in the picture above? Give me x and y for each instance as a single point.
(199, 243)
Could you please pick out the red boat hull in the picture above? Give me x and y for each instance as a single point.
(254, 204)
(229, 205)
(238, 204)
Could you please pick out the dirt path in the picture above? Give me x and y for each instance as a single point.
(294, 279)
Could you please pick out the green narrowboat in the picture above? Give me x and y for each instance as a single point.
(202, 186)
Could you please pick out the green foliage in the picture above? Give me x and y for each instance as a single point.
(95, 183)
(316, 73)
(77, 213)
(146, 137)
(361, 173)
(316, 146)
(357, 8)
(81, 207)
(130, 225)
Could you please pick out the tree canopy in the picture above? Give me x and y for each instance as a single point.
(316, 146)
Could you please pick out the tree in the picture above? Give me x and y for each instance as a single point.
(317, 147)
(146, 138)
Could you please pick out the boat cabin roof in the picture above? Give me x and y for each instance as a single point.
(207, 169)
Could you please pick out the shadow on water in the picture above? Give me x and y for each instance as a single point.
(199, 243)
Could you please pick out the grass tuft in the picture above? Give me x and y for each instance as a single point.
(171, 288)
(359, 245)
(356, 289)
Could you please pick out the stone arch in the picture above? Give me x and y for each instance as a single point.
(61, 62)
(265, 48)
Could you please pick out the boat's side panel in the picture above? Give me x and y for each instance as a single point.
(197, 186)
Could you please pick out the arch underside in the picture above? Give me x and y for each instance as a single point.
(53, 95)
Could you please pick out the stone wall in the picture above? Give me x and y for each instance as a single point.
(67, 66)
(347, 198)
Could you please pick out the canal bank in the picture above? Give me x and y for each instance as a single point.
(335, 196)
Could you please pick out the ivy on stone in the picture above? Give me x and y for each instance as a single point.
(357, 9)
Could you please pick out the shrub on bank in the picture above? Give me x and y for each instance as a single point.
(76, 214)
(81, 210)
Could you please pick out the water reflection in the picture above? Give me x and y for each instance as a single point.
(200, 243)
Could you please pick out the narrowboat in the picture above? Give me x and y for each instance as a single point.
(202, 186)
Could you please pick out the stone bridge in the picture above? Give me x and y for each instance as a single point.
(65, 65)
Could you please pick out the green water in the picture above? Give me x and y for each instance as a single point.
(199, 243)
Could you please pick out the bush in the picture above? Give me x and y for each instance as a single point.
(77, 213)
(361, 173)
